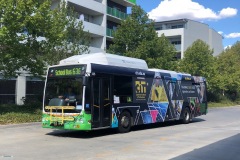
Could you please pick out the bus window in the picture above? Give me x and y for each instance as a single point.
(202, 92)
(123, 88)
(64, 91)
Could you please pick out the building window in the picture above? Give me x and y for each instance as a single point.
(34, 90)
(178, 55)
(176, 26)
(114, 28)
(158, 28)
(87, 18)
(7, 91)
(176, 42)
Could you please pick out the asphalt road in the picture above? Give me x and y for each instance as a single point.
(215, 136)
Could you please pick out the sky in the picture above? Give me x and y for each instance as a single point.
(221, 15)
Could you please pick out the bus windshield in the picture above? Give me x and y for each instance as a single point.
(63, 92)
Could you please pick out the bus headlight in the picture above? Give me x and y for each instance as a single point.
(44, 119)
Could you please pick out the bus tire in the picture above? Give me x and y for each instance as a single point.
(186, 116)
(124, 123)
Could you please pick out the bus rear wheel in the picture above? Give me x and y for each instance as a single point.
(186, 115)
(124, 123)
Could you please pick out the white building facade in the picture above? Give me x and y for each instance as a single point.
(183, 32)
(100, 18)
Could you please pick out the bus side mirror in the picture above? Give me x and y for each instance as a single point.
(85, 81)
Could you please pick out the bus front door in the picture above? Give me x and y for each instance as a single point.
(101, 109)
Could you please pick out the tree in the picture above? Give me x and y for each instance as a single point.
(137, 37)
(229, 69)
(32, 36)
(132, 31)
(158, 53)
(198, 60)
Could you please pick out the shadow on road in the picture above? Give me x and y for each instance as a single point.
(110, 131)
(226, 149)
(82, 134)
(165, 124)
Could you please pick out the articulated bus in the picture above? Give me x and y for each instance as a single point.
(111, 91)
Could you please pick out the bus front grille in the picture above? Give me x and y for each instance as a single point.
(58, 118)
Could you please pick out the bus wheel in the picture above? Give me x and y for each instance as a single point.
(186, 115)
(124, 123)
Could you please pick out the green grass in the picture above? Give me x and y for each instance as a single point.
(222, 104)
(14, 114)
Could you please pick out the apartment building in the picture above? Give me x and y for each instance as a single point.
(100, 18)
(183, 32)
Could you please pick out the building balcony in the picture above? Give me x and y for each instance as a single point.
(127, 3)
(110, 32)
(87, 6)
(116, 13)
(95, 49)
(94, 29)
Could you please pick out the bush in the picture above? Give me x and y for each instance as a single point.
(12, 114)
(218, 97)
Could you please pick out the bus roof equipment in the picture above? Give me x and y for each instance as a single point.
(106, 59)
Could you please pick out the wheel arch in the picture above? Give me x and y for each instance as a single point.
(183, 115)
(129, 111)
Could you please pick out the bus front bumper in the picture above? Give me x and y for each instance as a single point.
(80, 122)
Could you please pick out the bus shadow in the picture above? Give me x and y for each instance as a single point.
(83, 134)
(165, 124)
(111, 131)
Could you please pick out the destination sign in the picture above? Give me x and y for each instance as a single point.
(67, 71)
